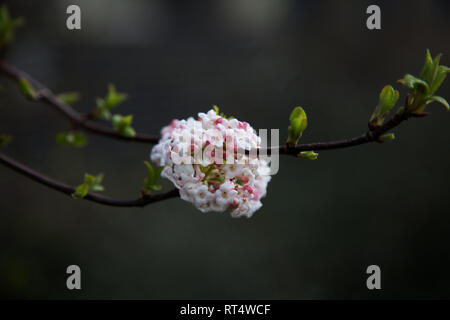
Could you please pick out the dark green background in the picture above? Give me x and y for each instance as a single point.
(323, 222)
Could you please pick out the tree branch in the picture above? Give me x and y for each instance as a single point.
(82, 121)
(370, 136)
(66, 189)
(77, 119)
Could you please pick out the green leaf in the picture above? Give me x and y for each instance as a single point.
(386, 137)
(216, 109)
(150, 172)
(117, 121)
(5, 140)
(128, 132)
(151, 179)
(79, 140)
(422, 90)
(441, 74)
(435, 68)
(80, 192)
(309, 155)
(113, 98)
(99, 178)
(433, 73)
(111, 101)
(298, 123)
(387, 100)
(126, 121)
(27, 89)
(73, 138)
(427, 71)
(156, 175)
(8, 26)
(148, 181)
(97, 188)
(90, 183)
(102, 112)
(91, 180)
(414, 84)
(69, 97)
(439, 100)
(123, 125)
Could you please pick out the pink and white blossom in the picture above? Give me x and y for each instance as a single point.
(203, 158)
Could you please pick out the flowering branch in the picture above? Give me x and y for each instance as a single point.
(68, 190)
(209, 183)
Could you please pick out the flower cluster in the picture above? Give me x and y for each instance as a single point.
(209, 160)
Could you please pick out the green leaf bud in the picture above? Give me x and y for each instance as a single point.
(298, 123)
(8, 26)
(73, 138)
(309, 155)
(27, 89)
(80, 192)
(69, 98)
(387, 100)
(386, 137)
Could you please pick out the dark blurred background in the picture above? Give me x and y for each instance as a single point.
(323, 222)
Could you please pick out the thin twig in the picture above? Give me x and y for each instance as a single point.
(372, 135)
(77, 119)
(68, 190)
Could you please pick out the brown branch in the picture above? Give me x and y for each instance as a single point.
(77, 119)
(82, 120)
(68, 190)
(373, 135)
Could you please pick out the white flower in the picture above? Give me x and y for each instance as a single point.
(192, 151)
(202, 195)
(226, 193)
(233, 170)
(214, 136)
(217, 206)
